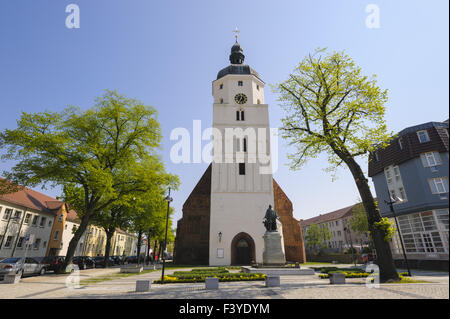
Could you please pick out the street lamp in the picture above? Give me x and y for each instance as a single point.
(391, 206)
(168, 199)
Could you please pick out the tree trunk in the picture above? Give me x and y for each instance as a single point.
(138, 246)
(159, 251)
(384, 255)
(148, 248)
(154, 249)
(75, 239)
(109, 235)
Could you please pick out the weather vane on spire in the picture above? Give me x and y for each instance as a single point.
(236, 33)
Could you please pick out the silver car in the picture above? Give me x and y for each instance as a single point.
(16, 265)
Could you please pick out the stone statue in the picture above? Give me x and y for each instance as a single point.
(270, 219)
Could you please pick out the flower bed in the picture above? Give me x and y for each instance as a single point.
(191, 277)
(356, 274)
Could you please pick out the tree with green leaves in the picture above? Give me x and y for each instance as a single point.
(358, 222)
(317, 236)
(102, 156)
(150, 219)
(331, 107)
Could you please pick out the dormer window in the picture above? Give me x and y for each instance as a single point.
(400, 143)
(423, 136)
(240, 83)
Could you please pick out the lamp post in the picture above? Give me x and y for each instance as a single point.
(391, 206)
(168, 199)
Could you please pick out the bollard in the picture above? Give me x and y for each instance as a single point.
(272, 281)
(211, 283)
(142, 285)
(337, 279)
(10, 279)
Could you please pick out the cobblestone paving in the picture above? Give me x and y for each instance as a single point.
(292, 287)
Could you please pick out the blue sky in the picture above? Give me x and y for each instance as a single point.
(167, 53)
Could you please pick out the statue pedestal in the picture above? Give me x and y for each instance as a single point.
(273, 252)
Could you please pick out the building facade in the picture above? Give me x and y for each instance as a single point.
(338, 223)
(29, 219)
(93, 241)
(413, 171)
(222, 217)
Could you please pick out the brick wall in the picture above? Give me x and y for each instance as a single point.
(192, 238)
(292, 232)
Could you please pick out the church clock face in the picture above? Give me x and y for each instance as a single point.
(240, 98)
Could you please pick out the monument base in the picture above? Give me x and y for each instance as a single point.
(273, 271)
(273, 254)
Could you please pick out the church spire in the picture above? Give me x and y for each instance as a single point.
(237, 55)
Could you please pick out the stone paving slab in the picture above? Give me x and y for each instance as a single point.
(292, 287)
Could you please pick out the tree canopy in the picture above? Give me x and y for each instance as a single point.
(102, 156)
(317, 236)
(332, 108)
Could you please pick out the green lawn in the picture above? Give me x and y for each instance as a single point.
(95, 280)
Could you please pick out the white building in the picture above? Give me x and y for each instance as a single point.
(30, 214)
(222, 220)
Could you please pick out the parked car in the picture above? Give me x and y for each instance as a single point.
(53, 262)
(21, 266)
(83, 262)
(117, 260)
(131, 260)
(168, 255)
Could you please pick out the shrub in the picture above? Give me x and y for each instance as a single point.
(201, 272)
(222, 278)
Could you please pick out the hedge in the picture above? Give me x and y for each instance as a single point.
(223, 277)
(349, 274)
(201, 272)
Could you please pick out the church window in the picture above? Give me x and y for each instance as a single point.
(257, 87)
(240, 83)
(238, 116)
(241, 168)
(221, 86)
(242, 115)
(221, 101)
(258, 102)
(245, 145)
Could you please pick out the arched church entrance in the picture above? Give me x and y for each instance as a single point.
(242, 249)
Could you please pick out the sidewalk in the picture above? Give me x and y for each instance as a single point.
(292, 287)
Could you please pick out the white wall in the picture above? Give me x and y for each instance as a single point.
(238, 202)
(39, 232)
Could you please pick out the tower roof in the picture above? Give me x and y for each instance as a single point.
(237, 67)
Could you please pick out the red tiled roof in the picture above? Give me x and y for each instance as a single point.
(72, 216)
(328, 217)
(32, 199)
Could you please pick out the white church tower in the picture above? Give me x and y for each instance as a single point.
(241, 181)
